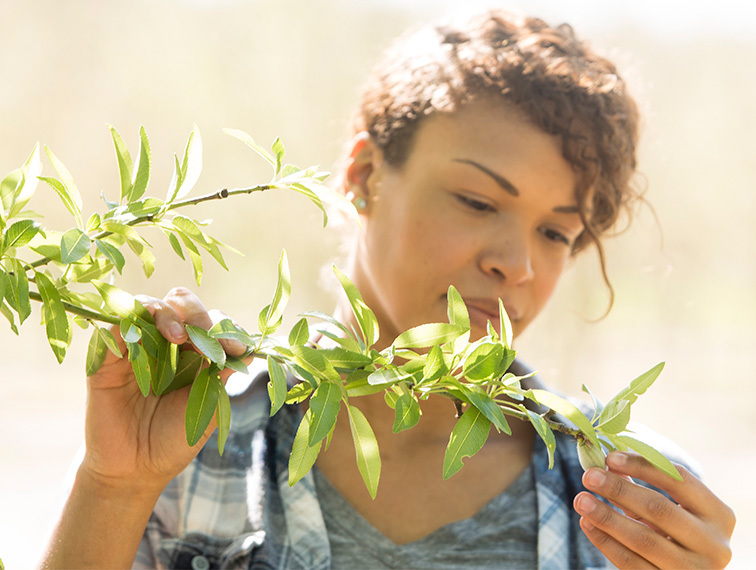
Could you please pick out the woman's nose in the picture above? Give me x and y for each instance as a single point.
(509, 258)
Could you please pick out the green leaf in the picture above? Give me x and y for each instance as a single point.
(203, 399)
(391, 398)
(225, 328)
(457, 310)
(300, 333)
(112, 253)
(96, 352)
(490, 409)
(85, 272)
(598, 405)
(278, 149)
(542, 429)
(19, 186)
(3, 284)
(109, 340)
(20, 233)
(365, 317)
(8, 188)
(467, 438)
(325, 404)
(638, 386)
(189, 170)
(272, 316)
(74, 245)
(207, 345)
(56, 320)
(194, 257)
(151, 338)
(8, 314)
(303, 455)
(315, 362)
(17, 290)
(142, 173)
(142, 208)
(145, 255)
(302, 188)
(407, 412)
(277, 387)
(345, 360)
(298, 393)
(165, 366)
(140, 364)
(93, 222)
(435, 366)
(567, 409)
(130, 332)
(484, 362)
(187, 368)
(175, 244)
(222, 415)
(121, 303)
(505, 324)
(615, 417)
(389, 374)
(72, 198)
(125, 230)
(357, 384)
(426, 335)
(652, 455)
(251, 143)
(236, 364)
(366, 449)
(125, 164)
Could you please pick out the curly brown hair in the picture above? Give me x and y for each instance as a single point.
(552, 77)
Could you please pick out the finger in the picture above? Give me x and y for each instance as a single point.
(232, 346)
(691, 492)
(633, 539)
(649, 505)
(189, 307)
(616, 552)
(167, 320)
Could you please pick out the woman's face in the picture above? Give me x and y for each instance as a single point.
(484, 202)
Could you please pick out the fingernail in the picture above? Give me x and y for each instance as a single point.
(617, 459)
(177, 331)
(586, 504)
(595, 477)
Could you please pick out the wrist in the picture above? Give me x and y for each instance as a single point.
(134, 491)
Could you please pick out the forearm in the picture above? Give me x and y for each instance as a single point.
(101, 525)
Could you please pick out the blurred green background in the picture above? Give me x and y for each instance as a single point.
(685, 272)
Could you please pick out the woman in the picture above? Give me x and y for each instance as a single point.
(485, 155)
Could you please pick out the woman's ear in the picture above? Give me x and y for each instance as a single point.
(361, 167)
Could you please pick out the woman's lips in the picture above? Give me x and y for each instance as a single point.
(483, 310)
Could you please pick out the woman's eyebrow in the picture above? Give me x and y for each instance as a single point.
(567, 209)
(508, 187)
(505, 184)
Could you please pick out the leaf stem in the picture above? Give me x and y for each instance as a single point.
(81, 311)
(218, 195)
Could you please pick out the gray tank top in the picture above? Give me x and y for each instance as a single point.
(503, 534)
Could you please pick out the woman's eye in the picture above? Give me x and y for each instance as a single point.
(475, 204)
(555, 236)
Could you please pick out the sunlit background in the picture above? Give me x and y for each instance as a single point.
(685, 273)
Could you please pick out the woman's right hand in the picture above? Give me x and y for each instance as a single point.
(133, 440)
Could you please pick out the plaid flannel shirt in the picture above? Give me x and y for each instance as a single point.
(238, 510)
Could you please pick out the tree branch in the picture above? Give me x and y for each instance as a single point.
(81, 311)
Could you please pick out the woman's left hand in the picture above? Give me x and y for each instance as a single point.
(692, 530)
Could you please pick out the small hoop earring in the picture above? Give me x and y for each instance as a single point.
(360, 203)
